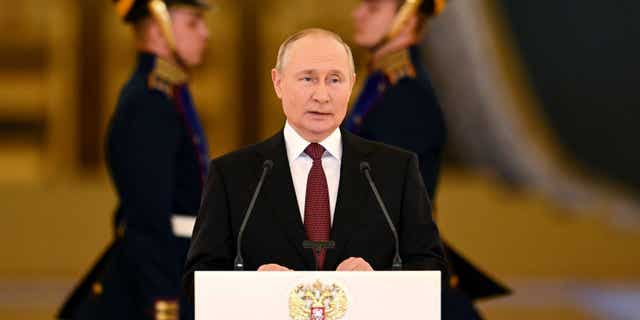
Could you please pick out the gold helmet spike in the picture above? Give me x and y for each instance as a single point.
(160, 13)
(409, 8)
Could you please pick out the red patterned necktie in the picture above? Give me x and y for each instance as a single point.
(317, 218)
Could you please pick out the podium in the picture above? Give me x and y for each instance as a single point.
(319, 295)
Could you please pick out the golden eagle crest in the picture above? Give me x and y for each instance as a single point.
(317, 302)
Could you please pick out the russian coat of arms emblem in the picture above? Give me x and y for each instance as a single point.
(317, 301)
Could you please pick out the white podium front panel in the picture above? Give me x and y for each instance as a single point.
(327, 295)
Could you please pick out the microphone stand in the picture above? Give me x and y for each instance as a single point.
(238, 263)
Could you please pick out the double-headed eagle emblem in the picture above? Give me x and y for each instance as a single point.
(317, 302)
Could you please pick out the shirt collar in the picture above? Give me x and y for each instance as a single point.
(296, 144)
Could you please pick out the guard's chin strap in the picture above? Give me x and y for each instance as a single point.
(382, 41)
(179, 61)
(372, 50)
(160, 13)
(409, 8)
(380, 44)
(405, 11)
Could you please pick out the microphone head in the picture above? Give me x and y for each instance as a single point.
(268, 164)
(364, 166)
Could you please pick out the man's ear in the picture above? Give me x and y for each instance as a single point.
(276, 78)
(353, 80)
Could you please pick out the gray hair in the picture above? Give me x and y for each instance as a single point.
(307, 32)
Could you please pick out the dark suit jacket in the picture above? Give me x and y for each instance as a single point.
(275, 232)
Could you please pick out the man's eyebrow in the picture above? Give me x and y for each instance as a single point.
(336, 71)
(315, 71)
(308, 71)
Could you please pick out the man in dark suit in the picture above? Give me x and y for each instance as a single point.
(316, 190)
(157, 157)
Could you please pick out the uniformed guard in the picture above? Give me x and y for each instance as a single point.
(157, 157)
(398, 106)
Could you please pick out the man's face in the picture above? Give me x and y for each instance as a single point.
(372, 20)
(191, 34)
(314, 84)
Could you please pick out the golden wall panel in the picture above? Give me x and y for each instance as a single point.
(37, 98)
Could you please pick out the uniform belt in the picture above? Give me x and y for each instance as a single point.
(182, 225)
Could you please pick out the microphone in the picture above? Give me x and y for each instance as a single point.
(397, 261)
(238, 263)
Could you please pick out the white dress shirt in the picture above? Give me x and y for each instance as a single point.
(300, 164)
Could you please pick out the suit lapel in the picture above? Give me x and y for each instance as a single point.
(352, 192)
(280, 192)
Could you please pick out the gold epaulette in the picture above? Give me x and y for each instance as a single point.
(167, 310)
(396, 66)
(165, 76)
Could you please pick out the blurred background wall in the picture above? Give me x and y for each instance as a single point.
(556, 77)
(583, 64)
